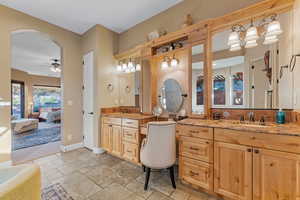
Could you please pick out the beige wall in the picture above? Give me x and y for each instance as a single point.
(29, 82)
(11, 20)
(104, 44)
(172, 19)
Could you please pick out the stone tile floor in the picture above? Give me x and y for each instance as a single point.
(87, 176)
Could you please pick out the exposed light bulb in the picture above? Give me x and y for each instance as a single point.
(251, 44)
(132, 69)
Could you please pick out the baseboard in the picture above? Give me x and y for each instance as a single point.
(6, 164)
(71, 147)
(97, 150)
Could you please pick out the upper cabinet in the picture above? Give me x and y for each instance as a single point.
(250, 65)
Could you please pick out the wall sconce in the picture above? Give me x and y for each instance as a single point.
(173, 62)
(273, 29)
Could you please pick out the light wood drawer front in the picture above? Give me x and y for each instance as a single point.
(111, 120)
(130, 151)
(130, 135)
(196, 172)
(268, 141)
(130, 123)
(198, 149)
(195, 131)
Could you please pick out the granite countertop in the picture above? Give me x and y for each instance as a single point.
(135, 116)
(290, 129)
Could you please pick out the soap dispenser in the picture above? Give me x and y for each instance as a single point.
(280, 116)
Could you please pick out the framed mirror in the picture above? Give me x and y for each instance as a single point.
(170, 96)
(248, 75)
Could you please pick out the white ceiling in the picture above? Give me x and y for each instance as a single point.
(32, 52)
(79, 16)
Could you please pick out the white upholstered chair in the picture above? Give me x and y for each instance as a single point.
(158, 150)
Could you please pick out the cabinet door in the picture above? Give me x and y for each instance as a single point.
(131, 152)
(106, 137)
(233, 171)
(276, 175)
(117, 140)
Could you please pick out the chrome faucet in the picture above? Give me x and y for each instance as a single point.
(251, 117)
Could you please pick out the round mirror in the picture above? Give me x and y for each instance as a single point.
(170, 97)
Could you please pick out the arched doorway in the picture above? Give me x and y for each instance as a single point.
(36, 66)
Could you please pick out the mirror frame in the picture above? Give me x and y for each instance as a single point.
(207, 71)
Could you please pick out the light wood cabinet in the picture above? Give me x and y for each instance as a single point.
(106, 137)
(120, 137)
(233, 171)
(116, 140)
(196, 172)
(195, 148)
(276, 175)
(130, 151)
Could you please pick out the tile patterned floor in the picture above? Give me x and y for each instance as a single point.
(87, 176)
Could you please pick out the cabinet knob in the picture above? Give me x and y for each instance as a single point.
(256, 151)
(249, 150)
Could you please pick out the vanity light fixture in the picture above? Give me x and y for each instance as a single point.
(128, 67)
(273, 29)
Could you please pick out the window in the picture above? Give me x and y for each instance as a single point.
(46, 97)
(17, 98)
(219, 90)
(237, 88)
(200, 90)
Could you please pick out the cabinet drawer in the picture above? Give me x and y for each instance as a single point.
(111, 120)
(195, 131)
(196, 173)
(130, 135)
(130, 123)
(130, 151)
(198, 149)
(268, 141)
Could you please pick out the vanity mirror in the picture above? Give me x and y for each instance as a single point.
(170, 96)
(198, 79)
(246, 74)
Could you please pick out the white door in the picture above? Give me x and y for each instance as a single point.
(88, 101)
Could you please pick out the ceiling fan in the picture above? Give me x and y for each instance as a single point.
(55, 65)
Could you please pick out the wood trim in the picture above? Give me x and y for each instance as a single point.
(208, 75)
(256, 11)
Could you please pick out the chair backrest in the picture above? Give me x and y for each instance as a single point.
(160, 149)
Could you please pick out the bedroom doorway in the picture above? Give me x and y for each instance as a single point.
(36, 95)
(17, 99)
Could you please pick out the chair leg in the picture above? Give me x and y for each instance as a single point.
(148, 170)
(172, 176)
(144, 168)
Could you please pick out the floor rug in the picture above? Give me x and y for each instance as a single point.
(55, 192)
(44, 135)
